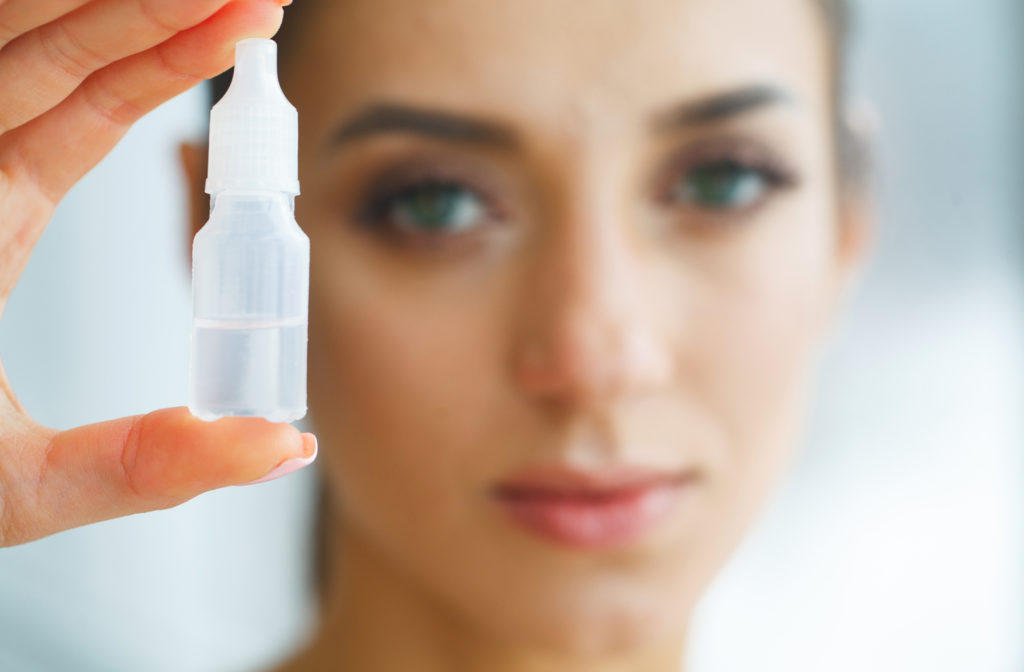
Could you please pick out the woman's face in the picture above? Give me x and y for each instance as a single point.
(571, 262)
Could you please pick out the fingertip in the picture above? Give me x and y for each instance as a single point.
(291, 465)
(180, 455)
(310, 445)
(256, 430)
(253, 18)
(208, 49)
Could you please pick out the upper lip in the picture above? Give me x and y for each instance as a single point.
(566, 480)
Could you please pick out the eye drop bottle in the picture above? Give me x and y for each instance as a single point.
(250, 262)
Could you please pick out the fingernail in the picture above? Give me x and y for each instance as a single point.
(292, 465)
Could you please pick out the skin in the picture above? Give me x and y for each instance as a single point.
(592, 317)
(582, 318)
(74, 76)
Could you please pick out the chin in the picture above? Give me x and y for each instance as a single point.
(595, 617)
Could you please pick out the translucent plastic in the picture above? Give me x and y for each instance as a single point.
(250, 278)
(254, 130)
(250, 263)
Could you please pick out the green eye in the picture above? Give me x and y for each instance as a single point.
(435, 207)
(724, 185)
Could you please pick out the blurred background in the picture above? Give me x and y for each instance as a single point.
(897, 543)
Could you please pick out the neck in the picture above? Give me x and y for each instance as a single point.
(375, 618)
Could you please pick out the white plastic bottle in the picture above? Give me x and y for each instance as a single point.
(250, 262)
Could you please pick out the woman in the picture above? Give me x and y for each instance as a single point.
(571, 267)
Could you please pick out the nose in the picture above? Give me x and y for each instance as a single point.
(589, 332)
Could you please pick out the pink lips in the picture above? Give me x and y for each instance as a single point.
(590, 509)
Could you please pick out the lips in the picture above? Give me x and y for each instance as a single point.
(590, 509)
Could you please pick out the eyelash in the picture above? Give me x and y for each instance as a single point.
(740, 155)
(389, 191)
(383, 201)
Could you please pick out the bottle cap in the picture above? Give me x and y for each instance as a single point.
(254, 130)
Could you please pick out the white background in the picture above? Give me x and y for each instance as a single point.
(894, 546)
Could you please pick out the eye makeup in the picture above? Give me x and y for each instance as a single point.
(428, 202)
(722, 179)
(445, 200)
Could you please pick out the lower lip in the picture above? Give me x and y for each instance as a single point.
(612, 520)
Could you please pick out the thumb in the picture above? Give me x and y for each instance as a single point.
(58, 480)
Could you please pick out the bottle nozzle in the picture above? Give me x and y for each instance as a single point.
(253, 128)
(255, 71)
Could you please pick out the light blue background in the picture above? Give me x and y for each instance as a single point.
(895, 545)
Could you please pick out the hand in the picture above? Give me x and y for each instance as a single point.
(74, 76)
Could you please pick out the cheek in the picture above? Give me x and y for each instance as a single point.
(405, 388)
(408, 387)
(753, 328)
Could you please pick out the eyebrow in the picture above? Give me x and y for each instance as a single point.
(385, 118)
(720, 107)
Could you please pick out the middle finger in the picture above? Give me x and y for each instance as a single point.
(21, 16)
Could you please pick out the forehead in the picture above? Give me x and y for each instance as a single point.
(513, 59)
